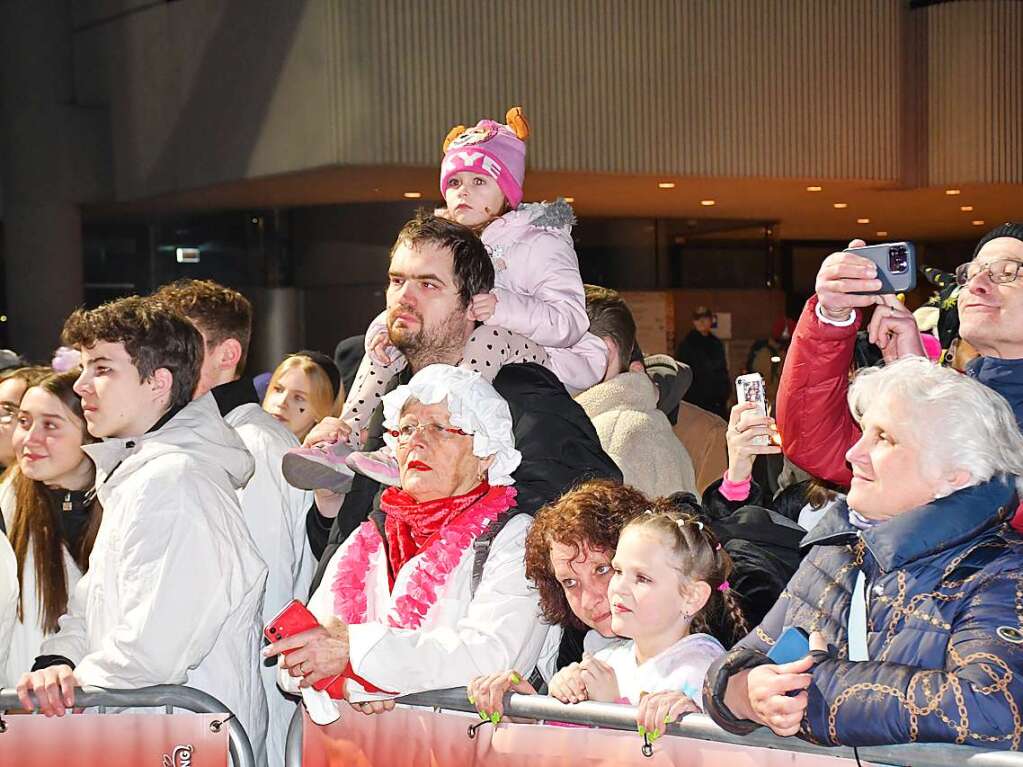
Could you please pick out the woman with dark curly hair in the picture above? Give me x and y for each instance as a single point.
(568, 559)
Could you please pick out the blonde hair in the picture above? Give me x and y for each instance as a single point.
(701, 557)
(322, 399)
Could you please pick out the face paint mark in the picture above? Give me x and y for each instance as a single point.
(301, 410)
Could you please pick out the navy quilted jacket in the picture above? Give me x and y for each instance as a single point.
(944, 634)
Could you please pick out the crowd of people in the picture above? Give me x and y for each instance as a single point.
(493, 488)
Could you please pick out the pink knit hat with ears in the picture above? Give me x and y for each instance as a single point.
(492, 149)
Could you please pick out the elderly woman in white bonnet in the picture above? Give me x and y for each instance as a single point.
(424, 595)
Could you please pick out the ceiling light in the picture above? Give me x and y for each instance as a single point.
(863, 221)
(666, 185)
(814, 188)
(570, 199)
(978, 222)
(707, 203)
(953, 191)
(966, 208)
(839, 205)
(412, 195)
(882, 234)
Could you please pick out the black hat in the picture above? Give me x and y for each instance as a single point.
(1008, 229)
(328, 366)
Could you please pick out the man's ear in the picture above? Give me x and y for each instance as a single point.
(612, 368)
(229, 354)
(161, 383)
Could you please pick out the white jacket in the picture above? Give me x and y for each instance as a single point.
(28, 634)
(460, 637)
(638, 436)
(8, 605)
(275, 513)
(175, 584)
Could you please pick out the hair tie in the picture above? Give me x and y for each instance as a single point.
(685, 521)
(724, 586)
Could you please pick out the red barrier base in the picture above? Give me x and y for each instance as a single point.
(113, 740)
(413, 736)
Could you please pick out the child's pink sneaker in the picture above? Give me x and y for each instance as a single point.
(379, 465)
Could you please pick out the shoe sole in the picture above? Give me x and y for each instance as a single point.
(307, 474)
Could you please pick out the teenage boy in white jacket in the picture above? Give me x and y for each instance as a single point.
(175, 583)
(274, 511)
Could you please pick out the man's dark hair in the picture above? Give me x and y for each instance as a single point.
(220, 313)
(610, 318)
(474, 273)
(153, 334)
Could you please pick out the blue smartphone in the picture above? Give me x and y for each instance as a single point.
(793, 644)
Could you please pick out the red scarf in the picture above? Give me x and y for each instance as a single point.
(411, 525)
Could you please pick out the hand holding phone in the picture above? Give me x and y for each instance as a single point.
(896, 266)
(751, 388)
(793, 644)
(294, 619)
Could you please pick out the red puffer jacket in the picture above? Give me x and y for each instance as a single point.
(813, 414)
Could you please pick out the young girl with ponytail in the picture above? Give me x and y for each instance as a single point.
(670, 580)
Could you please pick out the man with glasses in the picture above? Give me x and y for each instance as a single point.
(813, 417)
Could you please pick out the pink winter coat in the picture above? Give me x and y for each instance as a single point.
(540, 292)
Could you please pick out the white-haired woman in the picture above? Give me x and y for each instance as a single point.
(914, 586)
(409, 602)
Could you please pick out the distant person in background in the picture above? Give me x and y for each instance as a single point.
(303, 390)
(705, 354)
(767, 355)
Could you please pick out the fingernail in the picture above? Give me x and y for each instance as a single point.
(667, 719)
(472, 700)
(495, 717)
(483, 716)
(266, 652)
(642, 731)
(655, 735)
(515, 677)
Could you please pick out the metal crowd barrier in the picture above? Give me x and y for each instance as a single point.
(167, 696)
(697, 726)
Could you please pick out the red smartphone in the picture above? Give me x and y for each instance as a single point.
(294, 619)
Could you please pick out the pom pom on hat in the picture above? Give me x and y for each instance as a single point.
(491, 149)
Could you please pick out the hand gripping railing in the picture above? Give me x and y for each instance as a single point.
(167, 696)
(697, 726)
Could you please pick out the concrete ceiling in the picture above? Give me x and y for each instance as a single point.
(922, 213)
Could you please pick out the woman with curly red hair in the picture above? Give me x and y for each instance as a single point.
(568, 560)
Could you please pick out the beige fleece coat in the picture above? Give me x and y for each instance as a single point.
(637, 436)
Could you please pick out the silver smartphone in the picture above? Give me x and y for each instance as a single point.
(896, 266)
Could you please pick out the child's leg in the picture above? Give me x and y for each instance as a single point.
(489, 348)
(367, 391)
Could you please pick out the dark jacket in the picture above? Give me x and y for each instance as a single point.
(711, 386)
(813, 414)
(945, 622)
(558, 444)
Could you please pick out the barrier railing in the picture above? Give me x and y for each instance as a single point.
(695, 726)
(167, 696)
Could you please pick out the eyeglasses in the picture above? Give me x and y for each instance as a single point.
(1000, 272)
(433, 430)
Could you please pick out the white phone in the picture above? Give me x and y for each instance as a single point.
(751, 388)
